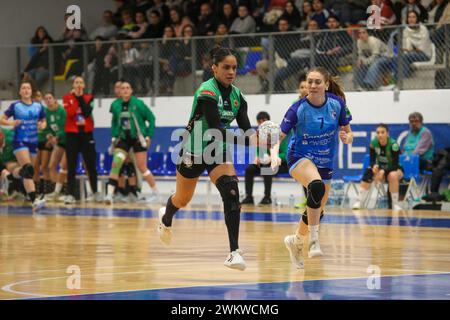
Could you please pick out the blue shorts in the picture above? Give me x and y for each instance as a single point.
(31, 147)
(325, 173)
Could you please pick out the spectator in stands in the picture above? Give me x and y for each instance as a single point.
(370, 49)
(227, 15)
(166, 51)
(307, 12)
(182, 59)
(121, 7)
(156, 27)
(435, 10)
(144, 66)
(206, 25)
(419, 141)
(130, 56)
(206, 67)
(320, 14)
(351, 11)
(39, 35)
(141, 23)
(128, 22)
(178, 21)
(414, 5)
(284, 45)
(68, 34)
(111, 62)
(263, 160)
(98, 74)
(387, 12)
(192, 9)
(292, 14)
(107, 30)
(163, 10)
(38, 68)
(244, 23)
(74, 51)
(143, 6)
(439, 33)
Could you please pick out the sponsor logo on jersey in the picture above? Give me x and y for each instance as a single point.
(333, 114)
(235, 102)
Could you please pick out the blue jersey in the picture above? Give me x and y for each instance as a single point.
(316, 129)
(29, 115)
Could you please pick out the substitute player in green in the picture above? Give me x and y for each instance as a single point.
(217, 103)
(133, 126)
(384, 165)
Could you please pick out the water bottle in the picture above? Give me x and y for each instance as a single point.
(291, 201)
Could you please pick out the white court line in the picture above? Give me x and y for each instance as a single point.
(8, 287)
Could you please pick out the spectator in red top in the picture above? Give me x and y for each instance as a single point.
(387, 13)
(79, 134)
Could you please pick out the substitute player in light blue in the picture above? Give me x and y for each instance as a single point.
(28, 116)
(317, 119)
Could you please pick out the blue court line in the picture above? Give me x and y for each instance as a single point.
(423, 287)
(218, 215)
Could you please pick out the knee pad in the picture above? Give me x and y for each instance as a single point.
(305, 217)
(368, 175)
(229, 191)
(118, 159)
(316, 191)
(27, 171)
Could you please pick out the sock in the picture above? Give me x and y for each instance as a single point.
(58, 187)
(170, 212)
(47, 186)
(133, 190)
(394, 197)
(32, 196)
(313, 233)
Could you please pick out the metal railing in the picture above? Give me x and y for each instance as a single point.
(267, 62)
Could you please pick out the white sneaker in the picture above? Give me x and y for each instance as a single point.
(295, 250)
(314, 249)
(396, 207)
(153, 198)
(165, 233)
(132, 198)
(61, 198)
(235, 260)
(108, 199)
(52, 196)
(357, 205)
(69, 199)
(38, 204)
(98, 197)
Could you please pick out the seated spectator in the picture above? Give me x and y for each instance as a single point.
(130, 56)
(192, 9)
(262, 160)
(414, 5)
(206, 25)
(307, 12)
(163, 10)
(440, 165)
(227, 15)
(97, 75)
(39, 35)
(320, 14)
(370, 49)
(74, 51)
(156, 27)
(107, 30)
(284, 45)
(68, 34)
(435, 10)
(351, 11)
(387, 13)
(438, 36)
(112, 62)
(419, 141)
(292, 15)
(182, 59)
(207, 67)
(37, 68)
(384, 165)
(121, 7)
(178, 21)
(142, 24)
(143, 6)
(128, 23)
(244, 23)
(144, 66)
(166, 51)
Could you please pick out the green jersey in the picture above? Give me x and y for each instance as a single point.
(386, 157)
(228, 105)
(56, 120)
(6, 151)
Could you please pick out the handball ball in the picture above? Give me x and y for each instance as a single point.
(267, 130)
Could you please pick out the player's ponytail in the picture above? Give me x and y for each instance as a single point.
(334, 85)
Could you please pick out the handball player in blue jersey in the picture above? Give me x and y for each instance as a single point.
(27, 117)
(317, 120)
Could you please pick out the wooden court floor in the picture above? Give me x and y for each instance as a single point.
(115, 253)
